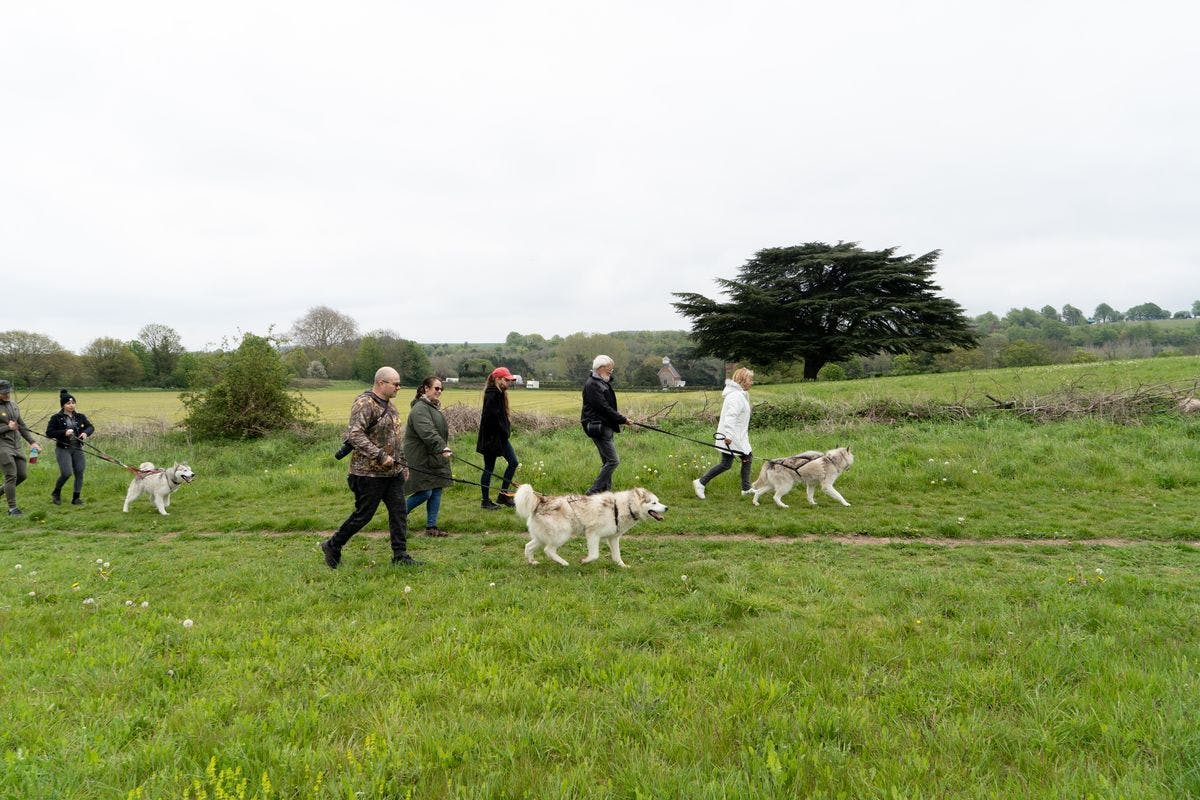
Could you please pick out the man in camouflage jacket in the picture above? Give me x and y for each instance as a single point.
(12, 457)
(377, 469)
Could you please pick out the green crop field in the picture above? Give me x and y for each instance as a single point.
(1005, 610)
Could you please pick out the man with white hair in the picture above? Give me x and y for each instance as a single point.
(601, 420)
(377, 470)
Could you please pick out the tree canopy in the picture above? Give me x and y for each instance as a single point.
(826, 303)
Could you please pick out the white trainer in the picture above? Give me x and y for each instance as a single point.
(699, 487)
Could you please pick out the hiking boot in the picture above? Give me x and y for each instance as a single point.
(56, 499)
(405, 561)
(435, 531)
(333, 556)
(76, 501)
(506, 499)
(699, 487)
(15, 512)
(488, 505)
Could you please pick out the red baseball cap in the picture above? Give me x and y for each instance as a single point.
(502, 372)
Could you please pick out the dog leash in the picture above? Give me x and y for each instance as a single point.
(91, 449)
(485, 471)
(723, 449)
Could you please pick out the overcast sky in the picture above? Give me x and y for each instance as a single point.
(455, 171)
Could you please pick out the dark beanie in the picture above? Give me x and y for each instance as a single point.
(64, 397)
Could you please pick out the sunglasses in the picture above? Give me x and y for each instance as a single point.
(435, 388)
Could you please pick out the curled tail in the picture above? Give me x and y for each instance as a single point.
(761, 481)
(526, 500)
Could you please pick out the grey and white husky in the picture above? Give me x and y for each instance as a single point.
(158, 483)
(812, 468)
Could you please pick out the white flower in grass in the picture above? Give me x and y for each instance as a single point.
(32, 572)
(187, 623)
(33, 594)
(407, 589)
(90, 601)
(106, 565)
(492, 584)
(1099, 571)
(974, 472)
(128, 602)
(962, 520)
(16, 566)
(99, 560)
(145, 604)
(171, 672)
(683, 577)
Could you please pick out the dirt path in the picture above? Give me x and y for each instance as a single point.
(783, 540)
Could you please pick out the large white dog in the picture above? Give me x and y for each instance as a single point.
(553, 520)
(812, 468)
(158, 483)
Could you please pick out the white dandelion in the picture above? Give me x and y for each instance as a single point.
(145, 604)
(187, 623)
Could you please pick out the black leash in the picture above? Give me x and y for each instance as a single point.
(722, 448)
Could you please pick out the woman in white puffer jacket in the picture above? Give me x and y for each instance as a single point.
(733, 431)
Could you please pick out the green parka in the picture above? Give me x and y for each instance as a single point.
(425, 436)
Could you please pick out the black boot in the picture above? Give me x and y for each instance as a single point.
(505, 498)
(488, 505)
(56, 498)
(333, 555)
(76, 500)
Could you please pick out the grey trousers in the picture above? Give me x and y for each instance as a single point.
(15, 470)
(71, 461)
(608, 462)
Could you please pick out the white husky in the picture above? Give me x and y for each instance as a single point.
(554, 520)
(812, 467)
(158, 483)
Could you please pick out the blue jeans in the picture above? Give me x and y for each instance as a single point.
(489, 469)
(608, 462)
(434, 496)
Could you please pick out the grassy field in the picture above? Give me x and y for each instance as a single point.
(155, 409)
(734, 659)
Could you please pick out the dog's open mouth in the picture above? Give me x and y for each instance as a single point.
(656, 515)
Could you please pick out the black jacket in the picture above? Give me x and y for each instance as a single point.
(56, 429)
(600, 407)
(494, 425)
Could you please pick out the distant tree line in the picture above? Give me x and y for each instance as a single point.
(325, 344)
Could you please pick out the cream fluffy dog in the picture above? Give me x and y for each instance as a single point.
(158, 483)
(553, 520)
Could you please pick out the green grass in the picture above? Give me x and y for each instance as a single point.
(986, 478)
(155, 408)
(815, 670)
(776, 669)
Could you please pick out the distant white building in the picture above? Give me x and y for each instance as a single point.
(533, 385)
(669, 377)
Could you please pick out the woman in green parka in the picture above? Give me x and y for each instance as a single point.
(427, 451)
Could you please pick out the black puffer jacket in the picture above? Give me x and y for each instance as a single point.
(59, 424)
(600, 406)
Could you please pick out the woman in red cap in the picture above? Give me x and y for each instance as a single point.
(494, 430)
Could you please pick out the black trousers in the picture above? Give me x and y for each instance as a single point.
(369, 492)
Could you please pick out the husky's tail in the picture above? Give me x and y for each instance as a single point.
(761, 481)
(526, 500)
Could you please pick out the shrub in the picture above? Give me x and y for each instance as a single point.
(249, 399)
(831, 372)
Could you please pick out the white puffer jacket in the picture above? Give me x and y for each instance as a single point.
(735, 418)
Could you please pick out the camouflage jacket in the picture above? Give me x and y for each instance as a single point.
(375, 432)
(10, 440)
